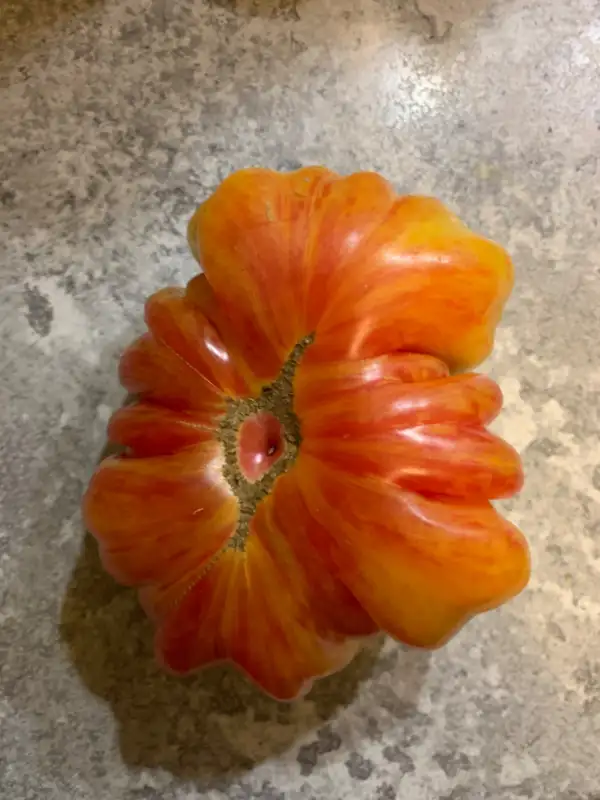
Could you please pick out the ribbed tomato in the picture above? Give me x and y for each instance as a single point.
(307, 461)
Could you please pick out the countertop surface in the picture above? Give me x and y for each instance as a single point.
(116, 118)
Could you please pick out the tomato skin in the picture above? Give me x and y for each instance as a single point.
(372, 272)
(383, 520)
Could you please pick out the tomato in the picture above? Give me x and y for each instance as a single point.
(307, 460)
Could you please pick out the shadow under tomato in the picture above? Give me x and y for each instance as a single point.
(216, 724)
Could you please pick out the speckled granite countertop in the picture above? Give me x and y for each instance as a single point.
(116, 118)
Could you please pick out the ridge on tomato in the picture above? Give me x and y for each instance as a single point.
(307, 460)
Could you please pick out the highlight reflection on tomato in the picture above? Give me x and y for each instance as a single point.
(307, 461)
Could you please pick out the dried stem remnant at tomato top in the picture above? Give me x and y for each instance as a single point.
(277, 399)
(276, 522)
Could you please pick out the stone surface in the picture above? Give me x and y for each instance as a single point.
(116, 118)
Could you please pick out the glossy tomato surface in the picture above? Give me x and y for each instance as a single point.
(307, 460)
